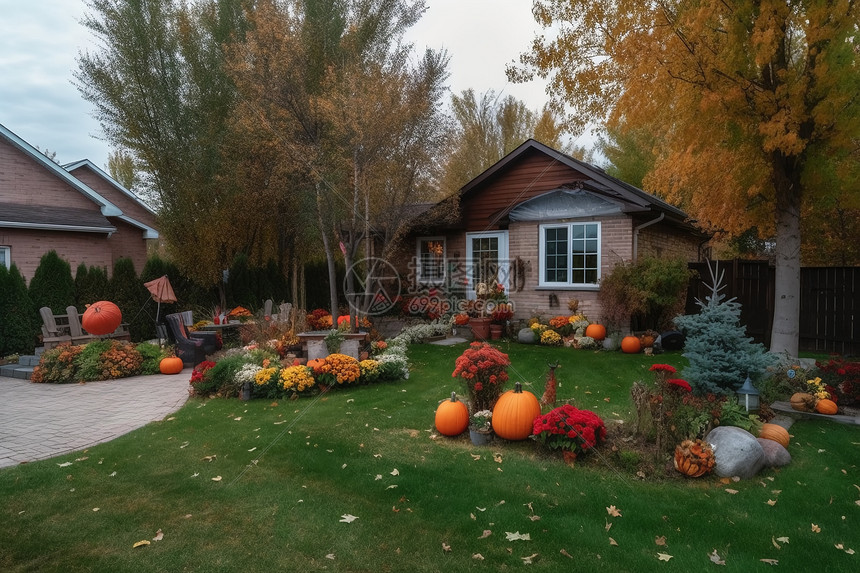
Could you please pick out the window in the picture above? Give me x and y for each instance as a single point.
(5, 257)
(486, 259)
(569, 254)
(431, 259)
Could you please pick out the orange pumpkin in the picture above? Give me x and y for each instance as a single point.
(802, 402)
(596, 331)
(776, 433)
(826, 406)
(452, 417)
(102, 317)
(170, 365)
(315, 364)
(630, 345)
(514, 414)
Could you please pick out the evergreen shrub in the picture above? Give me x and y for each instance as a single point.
(52, 285)
(17, 326)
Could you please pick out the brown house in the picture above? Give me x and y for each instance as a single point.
(77, 210)
(547, 227)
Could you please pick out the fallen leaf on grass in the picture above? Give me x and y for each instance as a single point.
(140, 544)
(613, 542)
(481, 508)
(96, 508)
(252, 449)
(446, 547)
(472, 515)
(65, 465)
(82, 459)
(486, 534)
(392, 486)
(660, 540)
(725, 481)
(517, 536)
(663, 556)
(478, 556)
(770, 561)
(530, 559)
(771, 502)
(731, 491)
(394, 472)
(534, 517)
(566, 554)
(347, 518)
(613, 511)
(475, 456)
(608, 524)
(378, 477)
(209, 458)
(237, 419)
(715, 558)
(330, 556)
(497, 457)
(216, 478)
(816, 529)
(158, 536)
(782, 539)
(112, 475)
(278, 423)
(196, 474)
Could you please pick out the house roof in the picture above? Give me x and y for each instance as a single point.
(45, 217)
(53, 218)
(598, 182)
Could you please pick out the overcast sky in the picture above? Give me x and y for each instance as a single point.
(39, 40)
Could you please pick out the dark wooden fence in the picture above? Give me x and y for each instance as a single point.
(829, 302)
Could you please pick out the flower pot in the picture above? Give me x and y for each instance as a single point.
(480, 438)
(496, 331)
(480, 328)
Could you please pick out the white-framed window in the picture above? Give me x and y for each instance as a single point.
(569, 254)
(6, 256)
(431, 260)
(486, 259)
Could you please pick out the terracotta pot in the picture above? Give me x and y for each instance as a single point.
(496, 331)
(480, 328)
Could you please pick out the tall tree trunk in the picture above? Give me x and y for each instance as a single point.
(329, 255)
(786, 309)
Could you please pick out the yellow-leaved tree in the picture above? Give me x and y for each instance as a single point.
(753, 104)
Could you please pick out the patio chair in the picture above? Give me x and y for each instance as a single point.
(188, 343)
(52, 333)
(78, 334)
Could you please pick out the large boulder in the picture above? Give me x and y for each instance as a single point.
(526, 336)
(775, 456)
(736, 452)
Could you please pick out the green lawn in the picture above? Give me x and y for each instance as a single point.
(290, 471)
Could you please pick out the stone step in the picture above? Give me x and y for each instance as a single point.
(16, 371)
(29, 360)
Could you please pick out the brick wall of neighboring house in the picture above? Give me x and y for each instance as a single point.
(26, 182)
(129, 206)
(127, 242)
(666, 242)
(28, 246)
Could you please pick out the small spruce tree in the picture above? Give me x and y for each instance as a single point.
(720, 354)
(52, 284)
(17, 326)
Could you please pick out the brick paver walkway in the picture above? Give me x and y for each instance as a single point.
(39, 421)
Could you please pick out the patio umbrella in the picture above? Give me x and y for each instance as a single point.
(161, 292)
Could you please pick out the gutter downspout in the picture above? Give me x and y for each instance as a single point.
(636, 234)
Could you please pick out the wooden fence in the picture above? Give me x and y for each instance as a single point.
(829, 302)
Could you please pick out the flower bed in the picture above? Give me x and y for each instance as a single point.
(98, 360)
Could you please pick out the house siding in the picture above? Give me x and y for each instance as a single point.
(28, 246)
(129, 207)
(25, 182)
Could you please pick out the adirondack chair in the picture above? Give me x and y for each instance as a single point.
(78, 334)
(53, 333)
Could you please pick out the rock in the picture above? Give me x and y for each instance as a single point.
(526, 336)
(736, 452)
(775, 456)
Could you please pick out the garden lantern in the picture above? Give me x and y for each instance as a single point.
(748, 395)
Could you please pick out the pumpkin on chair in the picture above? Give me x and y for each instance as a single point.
(170, 365)
(102, 317)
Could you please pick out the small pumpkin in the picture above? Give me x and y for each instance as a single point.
(694, 458)
(452, 417)
(630, 345)
(315, 364)
(826, 406)
(803, 402)
(596, 331)
(514, 414)
(776, 433)
(102, 317)
(170, 365)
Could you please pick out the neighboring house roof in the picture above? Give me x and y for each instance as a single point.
(75, 219)
(599, 183)
(53, 218)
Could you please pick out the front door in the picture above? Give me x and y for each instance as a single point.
(486, 259)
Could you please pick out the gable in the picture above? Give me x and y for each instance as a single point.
(564, 204)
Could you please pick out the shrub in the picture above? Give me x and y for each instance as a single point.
(17, 328)
(720, 355)
(201, 384)
(52, 284)
(89, 361)
(120, 360)
(484, 370)
(152, 354)
(843, 378)
(91, 285)
(221, 378)
(57, 365)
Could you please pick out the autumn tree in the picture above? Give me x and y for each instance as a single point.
(487, 127)
(754, 103)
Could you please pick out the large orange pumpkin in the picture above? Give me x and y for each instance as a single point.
(170, 365)
(776, 433)
(826, 406)
(596, 331)
(102, 317)
(514, 414)
(452, 417)
(630, 345)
